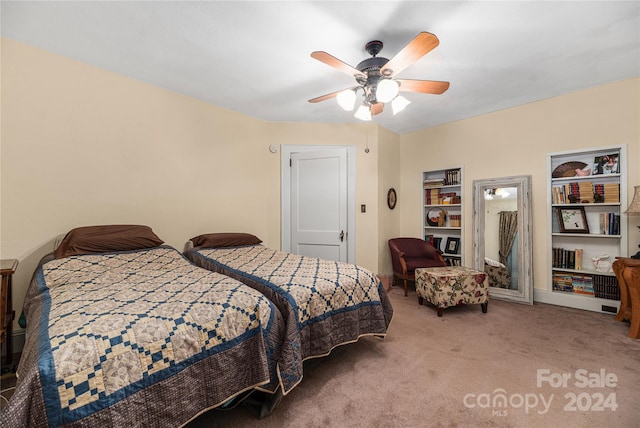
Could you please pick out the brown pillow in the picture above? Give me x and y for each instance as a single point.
(213, 240)
(102, 239)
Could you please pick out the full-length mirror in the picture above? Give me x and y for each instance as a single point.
(502, 236)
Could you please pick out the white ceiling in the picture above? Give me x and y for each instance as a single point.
(253, 57)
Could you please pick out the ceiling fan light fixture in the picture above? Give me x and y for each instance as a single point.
(398, 104)
(502, 193)
(363, 113)
(387, 90)
(347, 99)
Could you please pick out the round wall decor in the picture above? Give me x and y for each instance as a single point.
(392, 198)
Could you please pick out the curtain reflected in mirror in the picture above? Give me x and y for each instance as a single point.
(502, 236)
(500, 233)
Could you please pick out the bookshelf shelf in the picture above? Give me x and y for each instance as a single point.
(610, 204)
(586, 178)
(586, 235)
(591, 181)
(442, 212)
(443, 205)
(583, 271)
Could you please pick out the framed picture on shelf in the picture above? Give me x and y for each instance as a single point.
(453, 245)
(572, 220)
(607, 164)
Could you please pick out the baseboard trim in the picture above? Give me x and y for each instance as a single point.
(576, 301)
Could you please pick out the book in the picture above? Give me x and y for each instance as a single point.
(436, 242)
(578, 259)
(434, 182)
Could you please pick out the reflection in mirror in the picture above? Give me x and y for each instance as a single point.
(502, 236)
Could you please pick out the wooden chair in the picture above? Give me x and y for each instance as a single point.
(628, 274)
(408, 254)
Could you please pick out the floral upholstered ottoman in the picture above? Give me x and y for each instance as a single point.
(451, 286)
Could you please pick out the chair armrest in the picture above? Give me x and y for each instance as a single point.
(403, 262)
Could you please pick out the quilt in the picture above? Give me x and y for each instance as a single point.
(324, 303)
(139, 338)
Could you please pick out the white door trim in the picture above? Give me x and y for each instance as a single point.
(285, 192)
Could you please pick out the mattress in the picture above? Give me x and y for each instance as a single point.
(140, 338)
(324, 303)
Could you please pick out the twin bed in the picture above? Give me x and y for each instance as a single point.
(324, 303)
(123, 330)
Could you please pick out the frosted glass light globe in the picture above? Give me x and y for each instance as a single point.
(387, 90)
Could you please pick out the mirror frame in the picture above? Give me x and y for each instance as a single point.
(524, 292)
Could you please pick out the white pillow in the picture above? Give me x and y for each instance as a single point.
(491, 262)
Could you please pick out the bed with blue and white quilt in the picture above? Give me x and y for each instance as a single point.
(324, 303)
(139, 338)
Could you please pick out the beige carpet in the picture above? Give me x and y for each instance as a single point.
(421, 373)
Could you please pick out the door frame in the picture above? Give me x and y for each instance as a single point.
(286, 150)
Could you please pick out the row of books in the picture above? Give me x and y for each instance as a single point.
(609, 224)
(451, 177)
(581, 284)
(607, 193)
(606, 287)
(455, 220)
(567, 259)
(585, 192)
(435, 196)
(602, 286)
(452, 261)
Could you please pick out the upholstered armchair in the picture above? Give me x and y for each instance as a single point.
(407, 254)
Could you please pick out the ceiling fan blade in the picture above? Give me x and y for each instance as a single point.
(334, 62)
(424, 86)
(376, 108)
(326, 96)
(421, 45)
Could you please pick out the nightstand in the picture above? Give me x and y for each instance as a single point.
(7, 269)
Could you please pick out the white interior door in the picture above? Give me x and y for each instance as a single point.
(319, 204)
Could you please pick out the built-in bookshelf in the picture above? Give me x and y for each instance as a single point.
(442, 212)
(587, 198)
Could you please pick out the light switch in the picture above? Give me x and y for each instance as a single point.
(363, 208)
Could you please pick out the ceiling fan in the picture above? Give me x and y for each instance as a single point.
(376, 77)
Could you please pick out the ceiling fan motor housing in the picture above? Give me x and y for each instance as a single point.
(371, 69)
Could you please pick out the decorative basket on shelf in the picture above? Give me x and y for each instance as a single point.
(570, 169)
(436, 217)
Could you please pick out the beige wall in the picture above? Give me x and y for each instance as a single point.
(516, 142)
(388, 177)
(360, 136)
(83, 146)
